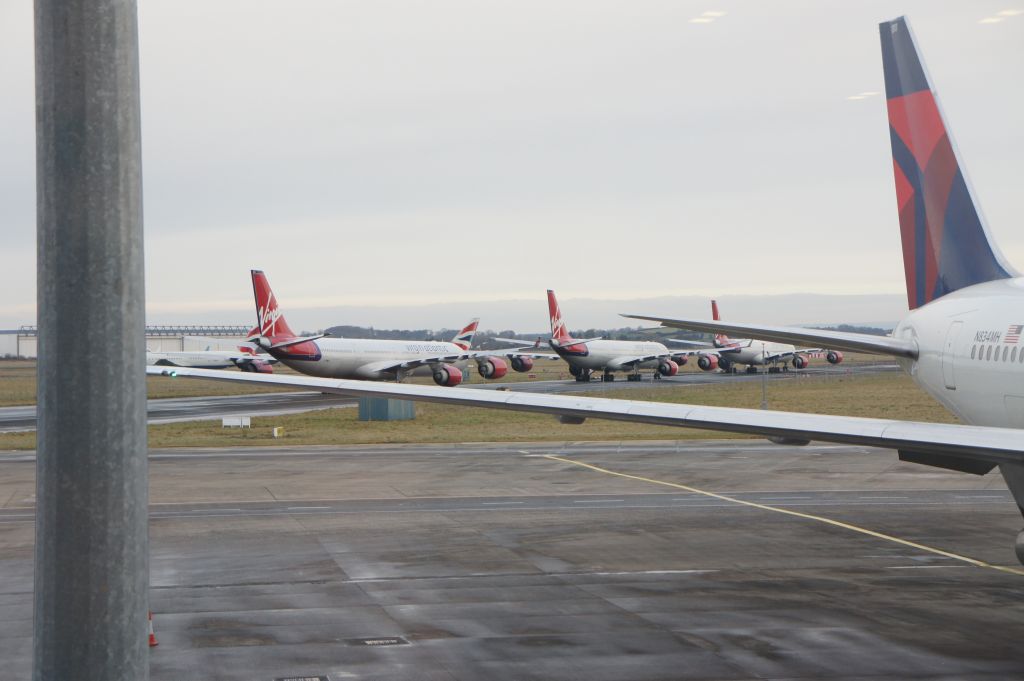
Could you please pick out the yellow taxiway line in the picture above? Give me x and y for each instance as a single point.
(806, 516)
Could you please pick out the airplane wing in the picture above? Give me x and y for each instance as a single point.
(701, 344)
(631, 361)
(834, 340)
(974, 449)
(389, 366)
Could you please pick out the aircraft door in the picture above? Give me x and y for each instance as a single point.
(949, 355)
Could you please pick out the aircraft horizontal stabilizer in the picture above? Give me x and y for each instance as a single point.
(834, 340)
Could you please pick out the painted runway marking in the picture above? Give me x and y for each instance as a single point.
(598, 501)
(990, 496)
(883, 497)
(501, 503)
(308, 508)
(798, 514)
(923, 567)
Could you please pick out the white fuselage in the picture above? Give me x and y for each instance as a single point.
(750, 351)
(969, 358)
(608, 355)
(369, 359)
(208, 359)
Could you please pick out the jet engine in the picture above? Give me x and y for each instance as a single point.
(522, 364)
(834, 357)
(707, 362)
(447, 375)
(680, 360)
(799, 362)
(257, 366)
(668, 368)
(492, 368)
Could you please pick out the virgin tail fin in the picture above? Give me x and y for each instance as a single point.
(558, 330)
(270, 321)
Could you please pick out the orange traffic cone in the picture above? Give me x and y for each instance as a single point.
(152, 635)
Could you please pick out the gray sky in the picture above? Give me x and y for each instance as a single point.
(382, 153)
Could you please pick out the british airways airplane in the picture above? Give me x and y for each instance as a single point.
(961, 341)
(376, 360)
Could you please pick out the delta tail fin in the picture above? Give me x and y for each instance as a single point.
(946, 245)
(558, 330)
(464, 338)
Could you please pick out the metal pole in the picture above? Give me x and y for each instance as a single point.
(92, 553)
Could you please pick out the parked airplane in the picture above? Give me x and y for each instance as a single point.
(246, 358)
(725, 353)
(379, 360)
(588, 355)
(960, 342)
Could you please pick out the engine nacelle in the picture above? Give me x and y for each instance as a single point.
(680, 360)
(834, 357)
(447, 375)
(707, 362)
(522, 364)
(257, 366)
(799, 362)
(492, 368)
(668, 368)
(575, 370)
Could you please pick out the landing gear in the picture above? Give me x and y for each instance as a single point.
(609, 377)
(634, 377)
(751, 369)
(580, 374)
(656, 376)
(773, 370)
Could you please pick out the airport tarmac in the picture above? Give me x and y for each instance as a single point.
(171, 410)
(633, 560)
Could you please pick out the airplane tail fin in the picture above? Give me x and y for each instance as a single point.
(464, 338)
(270, 322)
(720, 337)
(946, 245)
(558, 330)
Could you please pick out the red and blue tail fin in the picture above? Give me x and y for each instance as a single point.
(946, 246)
(464, 338)
(558, 330)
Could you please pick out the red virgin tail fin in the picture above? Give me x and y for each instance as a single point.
(720, 338)
(558, 330)
(270, 322)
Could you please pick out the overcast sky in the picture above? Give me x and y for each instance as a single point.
(380, 153)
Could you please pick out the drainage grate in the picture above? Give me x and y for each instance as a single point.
(385, 641)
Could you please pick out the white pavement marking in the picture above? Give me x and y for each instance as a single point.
(598, 501)
(501, 503)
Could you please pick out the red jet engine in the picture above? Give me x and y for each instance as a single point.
(492, 368)
(447, 375)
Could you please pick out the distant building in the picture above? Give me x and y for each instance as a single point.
(23, 341)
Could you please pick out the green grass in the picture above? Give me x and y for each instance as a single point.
(889, 395)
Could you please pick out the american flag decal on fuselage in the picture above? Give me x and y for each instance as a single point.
(1013, 333)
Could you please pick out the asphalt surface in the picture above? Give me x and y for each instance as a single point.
(172, 410)
(712, 560)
